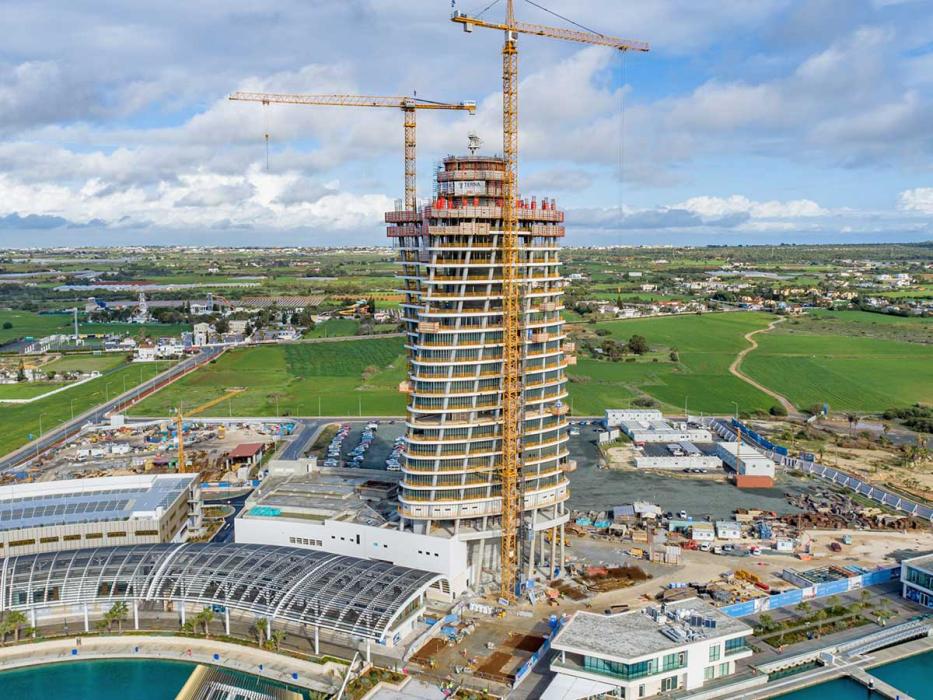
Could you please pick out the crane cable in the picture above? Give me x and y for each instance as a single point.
(621, 193)
(265, 117)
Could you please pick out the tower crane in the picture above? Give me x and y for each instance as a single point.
(510, 471)
(408, 105)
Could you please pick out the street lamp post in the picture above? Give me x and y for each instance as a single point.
(735, 403)
(40, 434)
(72, 409)
(107, 391)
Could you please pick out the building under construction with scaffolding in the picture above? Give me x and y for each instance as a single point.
(452, 279)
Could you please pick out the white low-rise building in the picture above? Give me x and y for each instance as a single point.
(659, 430)
(752, 469)
(703, 532)
(328, 513)
(616, 416)
(728, 530)
(639, 654)
(50, 516)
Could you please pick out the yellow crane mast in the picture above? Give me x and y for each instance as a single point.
(180, 421)
(408, 105)
(511, 274)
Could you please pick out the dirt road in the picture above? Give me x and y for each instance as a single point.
(735, 369)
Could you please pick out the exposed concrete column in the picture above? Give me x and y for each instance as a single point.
(563, 535)
(369, 655)
(87, 621)
(550, 573)
(135, 614)
(478, 562)
(226, 620)
(32, 617)
(317, 640)
(531, 556)
(182, 614)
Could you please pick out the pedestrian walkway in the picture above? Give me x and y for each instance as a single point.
(321, 677)
(876, 685)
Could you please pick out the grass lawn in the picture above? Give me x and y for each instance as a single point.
(334, 327)
(340, 378)
(18, 421)
(706, 346)
(813, 363)
(26, 390)
(86, 363)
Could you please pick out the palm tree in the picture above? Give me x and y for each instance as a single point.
(277, 637)
(204, 618)
(261, 626)
(15, 620)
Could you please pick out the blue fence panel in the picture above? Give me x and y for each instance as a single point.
(786, 598)
(832, 588)
(739, 609)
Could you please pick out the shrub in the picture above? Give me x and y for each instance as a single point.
(777, 410)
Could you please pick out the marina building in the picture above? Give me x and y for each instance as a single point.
(642, 653)
(917, 579)
(113, 510)
(451, 278)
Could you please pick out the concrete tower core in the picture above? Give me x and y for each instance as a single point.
(451, 279)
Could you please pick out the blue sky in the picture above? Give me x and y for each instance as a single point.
(752, 121)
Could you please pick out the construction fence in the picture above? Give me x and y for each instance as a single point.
(820, 590)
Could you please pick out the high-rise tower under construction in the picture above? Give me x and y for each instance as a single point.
(451, 277)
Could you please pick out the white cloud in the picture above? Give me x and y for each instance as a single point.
(919, 199)
(737, 204)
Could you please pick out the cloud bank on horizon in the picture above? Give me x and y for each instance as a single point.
(754, 121)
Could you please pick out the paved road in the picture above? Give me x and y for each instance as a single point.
(225, 533)
(97, 414)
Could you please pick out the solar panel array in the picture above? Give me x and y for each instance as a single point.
(47, 510)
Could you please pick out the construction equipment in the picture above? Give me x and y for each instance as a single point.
(513, 342)
(180, 419)
(408, 105)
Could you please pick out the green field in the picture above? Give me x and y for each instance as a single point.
(85, 363)
(28, 324)
(17, 422)
(851, 360)
(26, 390)
(334, 327)
(335, 379)
(706, 346)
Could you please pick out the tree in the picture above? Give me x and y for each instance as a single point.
(221, 325)
(853, 421)
(638, 344)
(674, 356)
(15, 620)
(21, 372)
(766, 622)
(777, 410)
(204, 618)
(261, 626)
(803, 607)
(7, 325)
(119, 612)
